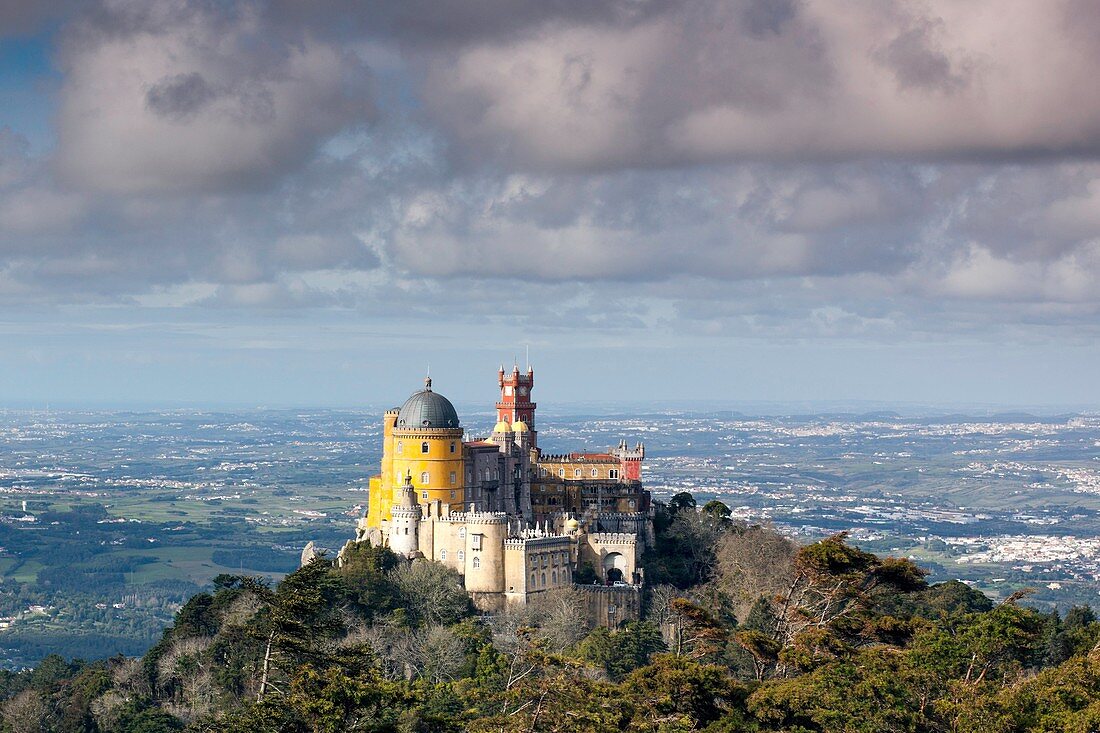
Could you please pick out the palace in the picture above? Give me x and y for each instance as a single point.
(511, 520)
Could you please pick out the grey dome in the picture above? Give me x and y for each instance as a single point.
(427, 409)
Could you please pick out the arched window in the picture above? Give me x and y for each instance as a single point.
(424, 447)
(400, 447)
(423, 494)
(461, 555)
(544, 579)
(532, 580)
(424, 478)
(442, 554)
(462, 533)
(477, 563)
(576, 473)
(453, 447)
(554, 577)
(561, 473)
(454, 478)
(595, 473)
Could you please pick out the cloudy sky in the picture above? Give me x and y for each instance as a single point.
(287, 202)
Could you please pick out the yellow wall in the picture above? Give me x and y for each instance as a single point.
(402, 454)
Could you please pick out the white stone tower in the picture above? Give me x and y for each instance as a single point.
(405, 521)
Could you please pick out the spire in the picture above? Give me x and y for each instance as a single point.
(408, 493)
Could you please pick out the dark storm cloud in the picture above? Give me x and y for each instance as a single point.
(918, 62)
(457, 21)
(179, 96)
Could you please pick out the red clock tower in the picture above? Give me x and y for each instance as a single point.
(515, 399)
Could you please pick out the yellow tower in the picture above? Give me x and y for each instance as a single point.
(423, 441)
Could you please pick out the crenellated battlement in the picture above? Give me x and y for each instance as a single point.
(623, 453)
(475, 518)
(614, 538)
(622, 516)
(577, 458)
(522, 543)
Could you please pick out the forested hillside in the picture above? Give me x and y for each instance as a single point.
(743, 631)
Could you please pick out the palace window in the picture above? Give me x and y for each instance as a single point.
(532, 580)
(477, 563)
(576, 473)
(424, 478)
(454, 494)
(632, 502)
(442, 554)
(613, 473)
(462, 533)
(423, 494)
(475, 541)
(544, 580)
(424, 447)
(554, 577)
(400, 447)
(595, 473)
(453, 446)
(461, 555)
(454, 478)
(561, 473)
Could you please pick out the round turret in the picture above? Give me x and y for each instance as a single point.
(502, 427)
(520, 427)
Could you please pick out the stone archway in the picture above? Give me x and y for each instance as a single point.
(614, 567)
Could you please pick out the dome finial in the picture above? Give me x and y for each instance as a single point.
(428, 383)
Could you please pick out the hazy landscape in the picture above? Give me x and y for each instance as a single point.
(111, 520)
